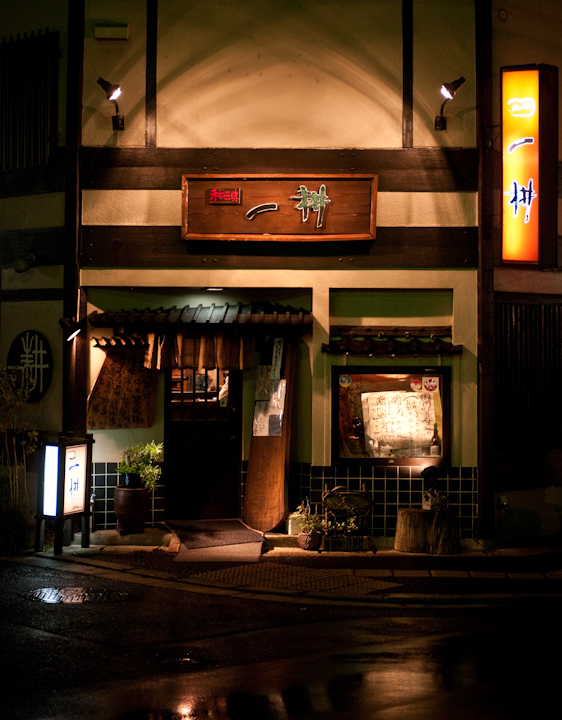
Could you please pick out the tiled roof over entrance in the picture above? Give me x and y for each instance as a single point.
(238, 314)
(390, 342)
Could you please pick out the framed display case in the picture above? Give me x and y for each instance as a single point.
(391, 415)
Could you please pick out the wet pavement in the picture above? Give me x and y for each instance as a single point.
(476, 575)
(129, 634)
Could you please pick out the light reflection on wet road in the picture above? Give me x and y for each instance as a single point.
(454, 676)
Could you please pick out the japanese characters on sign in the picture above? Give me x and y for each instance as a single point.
(310, 200)
(31, 354)
(520, 156)
(294, 207)
(73, 476)
(225, 196)
(75, 479)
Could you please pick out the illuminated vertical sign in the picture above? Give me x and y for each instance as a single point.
(520, 154)
(529, 159)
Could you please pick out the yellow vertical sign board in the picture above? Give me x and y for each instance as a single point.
(520, 161)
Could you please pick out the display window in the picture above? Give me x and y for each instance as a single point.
(390, 416)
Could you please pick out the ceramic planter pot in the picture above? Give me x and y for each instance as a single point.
(132, 507)
(131, 480)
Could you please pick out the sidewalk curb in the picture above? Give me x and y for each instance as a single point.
(394, 599)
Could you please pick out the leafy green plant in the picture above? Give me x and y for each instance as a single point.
(17, 442)
(143, 460)
(341, 526)
(311, 522)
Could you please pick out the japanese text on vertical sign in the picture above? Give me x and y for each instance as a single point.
(520, 156)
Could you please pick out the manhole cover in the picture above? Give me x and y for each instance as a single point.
(74, 595)
(180, 660)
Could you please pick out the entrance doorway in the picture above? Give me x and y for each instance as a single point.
(203, 441)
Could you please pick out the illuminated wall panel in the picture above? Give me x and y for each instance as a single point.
(529, 160)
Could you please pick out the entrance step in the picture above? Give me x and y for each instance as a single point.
(273, 540)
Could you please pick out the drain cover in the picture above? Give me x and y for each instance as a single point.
(74, 595)
(180, 660)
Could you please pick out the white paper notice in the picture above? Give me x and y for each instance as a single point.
(268, 414)
(261, 418)
(397, 420)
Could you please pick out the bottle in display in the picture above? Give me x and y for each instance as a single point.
(435, 444)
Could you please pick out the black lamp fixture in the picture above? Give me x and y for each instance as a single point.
(448, 90)
(112, 92)
(72, 327)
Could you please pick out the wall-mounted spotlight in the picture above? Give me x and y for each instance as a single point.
(112, 92)
(448, 90)
(72, 327)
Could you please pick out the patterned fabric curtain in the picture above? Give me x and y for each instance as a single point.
(210, 348)
(124, 395)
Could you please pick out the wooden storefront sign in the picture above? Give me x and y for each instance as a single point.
(298, 208)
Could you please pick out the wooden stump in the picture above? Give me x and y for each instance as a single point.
(426, 531)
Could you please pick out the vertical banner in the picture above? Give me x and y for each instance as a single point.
(529, 164)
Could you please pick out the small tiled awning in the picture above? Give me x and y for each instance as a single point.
(238, 314)
(390, 342)
(198, 337)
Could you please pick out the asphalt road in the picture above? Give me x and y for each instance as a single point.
(152, 649)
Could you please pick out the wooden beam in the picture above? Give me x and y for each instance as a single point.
(399, 170)
(157, 246)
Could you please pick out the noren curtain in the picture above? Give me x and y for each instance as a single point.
(209, 348)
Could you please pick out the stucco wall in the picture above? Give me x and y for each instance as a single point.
(43, 316)
(263, 73)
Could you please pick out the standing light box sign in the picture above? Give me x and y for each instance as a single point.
(75, 465)
(529, 145)
(64, 487)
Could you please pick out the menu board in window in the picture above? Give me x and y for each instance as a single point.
(390, 416)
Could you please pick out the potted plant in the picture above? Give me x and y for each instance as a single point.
(140, 471)
(312, 527)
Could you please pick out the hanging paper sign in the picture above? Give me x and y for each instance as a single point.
(277, 358)
(268, 414)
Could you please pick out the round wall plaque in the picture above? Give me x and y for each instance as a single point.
(31, 354)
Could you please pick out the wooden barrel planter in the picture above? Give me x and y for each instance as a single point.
(132, 507)
(427, 531)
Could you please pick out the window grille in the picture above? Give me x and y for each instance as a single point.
(28, 100)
